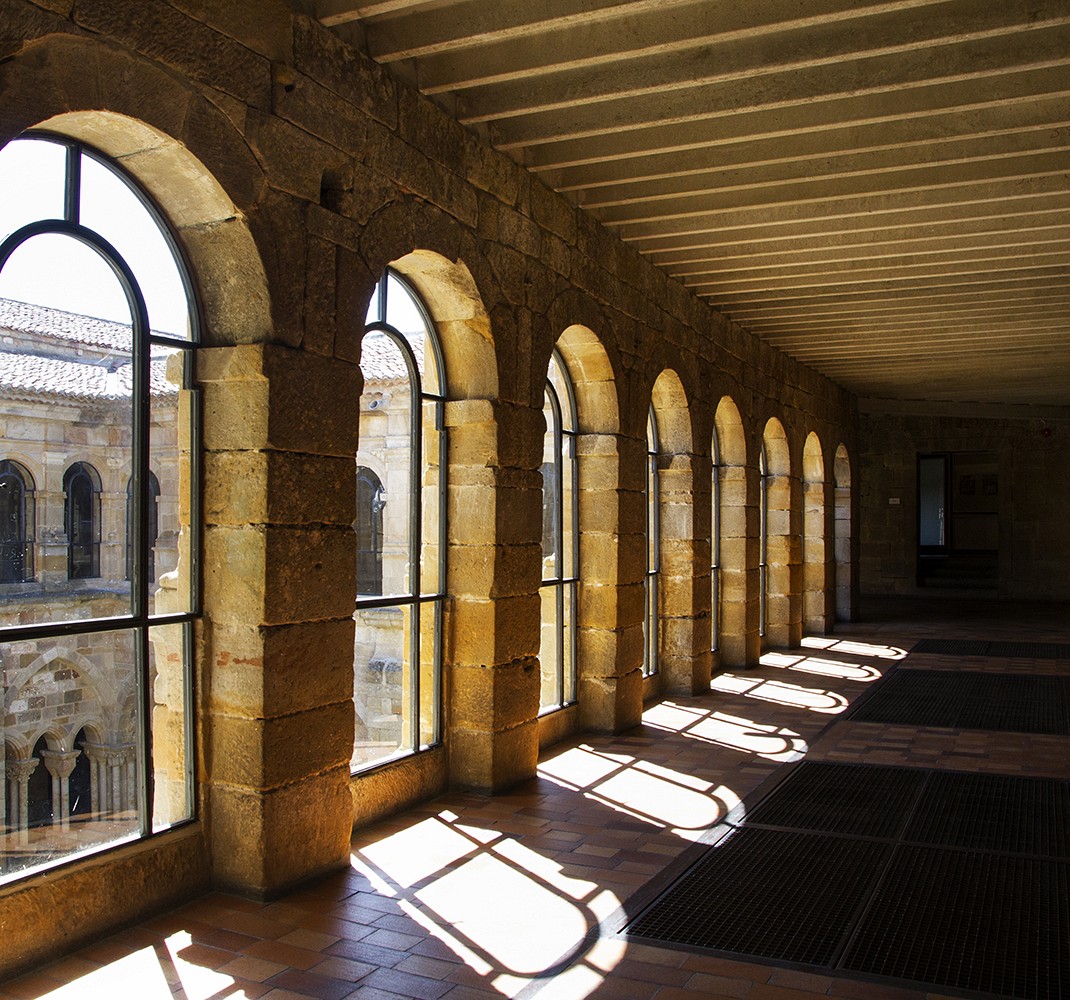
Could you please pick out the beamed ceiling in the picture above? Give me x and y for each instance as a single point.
(879, 189)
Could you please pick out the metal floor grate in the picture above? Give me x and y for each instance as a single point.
(982, 647)
(957, 880)
(1020, 703)
(772, 893)
(994, 812)
(969, 921)
(841, 798)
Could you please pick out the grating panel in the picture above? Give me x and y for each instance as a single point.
(970, 921)
(952, 647)
(982, 647)
(958, 699)
(862, 800)
(775, 894)
(994, 812)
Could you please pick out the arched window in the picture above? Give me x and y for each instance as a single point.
(153, 501)
(16, 523)
(715, 544)
(99, 329)
(763, 541)
(371, 498)
(653, 548)
(39, 790)
(560, 536)
(80, 783)
(398, 651)
(81, 521)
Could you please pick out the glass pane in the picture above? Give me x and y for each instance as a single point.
(558, 377)
(32, 173)
(650, 631)
(386, 446)
(110, 207)
(652, 513)
(170, 448)
(551, 491)
(76, 788)
(66, 399)
(404, 314)
(569, 542)
(89, 289)
(568, 636)
(430, 625)
(373, 308)
(171, 724)
(549, 660)
(381, 682)
(431, 556)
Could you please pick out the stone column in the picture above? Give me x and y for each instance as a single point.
(815, 559)
(783, 626)
(609, 645)
(739, 640)
(494, 525)
(684, 661)
(18, 777)
(60, 764)
(280, 436)
(98, 784)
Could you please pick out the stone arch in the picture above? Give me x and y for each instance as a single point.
(814, 551)
(738, 644)
(683, 658)
(212, 232)
(842, 535)
(608, 686)
(783, 618)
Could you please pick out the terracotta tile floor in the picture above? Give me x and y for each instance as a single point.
(471, 897)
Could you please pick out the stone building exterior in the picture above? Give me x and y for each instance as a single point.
(69, 717)
(293, 173)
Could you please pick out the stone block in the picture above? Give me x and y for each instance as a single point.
(344, 70)
(264, 754)
(266, 843)
(494, 762)
(494, 697)
(257, 487)
(266, 671)
(611, 704)
(486, 632)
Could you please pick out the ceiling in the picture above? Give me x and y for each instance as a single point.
(879, 189)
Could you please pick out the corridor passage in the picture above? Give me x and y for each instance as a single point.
(526, 894)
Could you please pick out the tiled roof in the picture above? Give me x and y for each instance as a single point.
(26, 317)
(381, 360)
(33, 375)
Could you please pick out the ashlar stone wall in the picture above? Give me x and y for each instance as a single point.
(294, 171)
(1032, 446)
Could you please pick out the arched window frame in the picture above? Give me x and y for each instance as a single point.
(371, 499)
(561, 548)
(81, 520)
(420, 601)
(154, 525)
(17, 537)
(141, 618)
(652, 503)
(763, 540)
(715, 543)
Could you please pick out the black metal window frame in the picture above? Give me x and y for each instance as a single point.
(416, 599)
(763, 540)
(139, 620)
(652, 505)
(715, 544)
(566, 563)
(17, 537)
